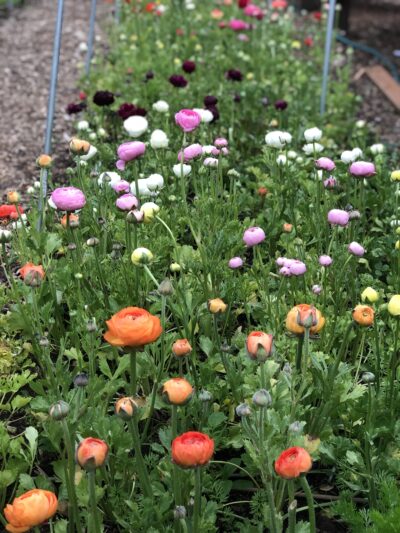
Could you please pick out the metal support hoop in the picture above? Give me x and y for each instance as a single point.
(327, 56)
(90, 36)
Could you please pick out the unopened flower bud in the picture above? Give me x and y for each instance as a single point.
(59, 410)
(216, 305)
(287, 369)
(180, 512)
(93, 241)
(165, 288)
(175, 267)
(81, 380)
(367, 377)
(125, 408)
(91, 325)
(262, 398)
(243, 409)
(33, 278)
(13, 197)
(296, 427)
(181, 348)
(135, 216)
(44, 161)
(78, 146)
(141, 256)
(5, 236)
(44, 342)
(71, 246)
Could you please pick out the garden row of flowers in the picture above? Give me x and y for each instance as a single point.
(201, 323)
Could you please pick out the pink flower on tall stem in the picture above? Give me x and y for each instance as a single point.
(68, 198)
(253, 236)
(187, 119)
(362, 169)
(190, 152)
(128, 152)
(338, 217)
(126, 202)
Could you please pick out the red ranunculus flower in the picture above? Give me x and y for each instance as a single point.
(192, 449)
(293, 462)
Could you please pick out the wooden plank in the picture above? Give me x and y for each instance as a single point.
(388, 85)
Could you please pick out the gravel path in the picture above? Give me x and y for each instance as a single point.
(26, 44)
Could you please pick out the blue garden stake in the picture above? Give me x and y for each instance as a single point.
(51, 103)
(90, 36)
(327, 57)
(117, 11)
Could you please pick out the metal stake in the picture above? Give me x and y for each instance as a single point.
(327, 57)
(117, 11)
(90, 36)
(52, 100)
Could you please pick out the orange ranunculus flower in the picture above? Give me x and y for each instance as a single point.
(302, 316)
(259, 345)
(217, 14)
(13, 197)
(79, 146)
(73, 220)
(132, 327)
(91, 453)
(192, 449)
(363, 315)
(216, 305)
(293, 462)
(126, 407)
(177, 391)
(31, 274)
(44, 161)
(181, 347)
(10, 211)
(29, 510)
(287, 228)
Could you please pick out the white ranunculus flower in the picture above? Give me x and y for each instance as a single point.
(292, 154)
(347, 156)
(158, 139)
(205, 115)
(377, 148)
(360, 123)
(91, 153)
(142, 186)
(210, 162)
(36, 184)
(312, 147)
(180, 170)
(92, 136)
(108, 177)
(299, 160)
(155, 182)
(281, 160)
(357, 152)
(161, 106)
(278, 139)
(312, 135)
(208, 148)
(101, 132)
(136, 125)
(82, 125)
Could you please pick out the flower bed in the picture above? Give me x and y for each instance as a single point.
(203, 331)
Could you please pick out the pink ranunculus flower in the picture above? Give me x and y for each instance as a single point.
(68, 198)
(362, 169)
(129, 151)
(190, 152)
(253, 236)
(338, 217)
(297, 268)
(127, 202)
(252, 10)
(285, 271)
(220, 142)
(356, 249)
(324, 163)
(238, 25)
(187, 119)
(330, 183)
(215, 151)
(235, 262)
(121, 186)
(210, 162)
(325, 260)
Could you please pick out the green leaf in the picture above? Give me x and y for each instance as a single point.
(216, 419)
(31, 436)
(20, 401)
(105, 369)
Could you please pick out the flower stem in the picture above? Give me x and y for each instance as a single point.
(292, 507)
(133, 372)
(197, 499)
(310, 503)
(70, 478)
(140, 464)
(94, 518)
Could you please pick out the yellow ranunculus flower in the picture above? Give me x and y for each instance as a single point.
(394, 305)
(369, 295)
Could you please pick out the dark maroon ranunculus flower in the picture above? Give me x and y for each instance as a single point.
(237, 98)
(178, 81)
(189, 66)
(73, 108)
(149, 75)
(141, 111)
(234, 75)
(281, 104)
(210, 100)
(214, 111)
(103, 98)
(126, 110)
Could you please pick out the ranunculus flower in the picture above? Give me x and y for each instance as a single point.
(141, 256)
(330, 183)
(293, 462)
(91, 153)
(297, 268)
(110, 178)
(126, 202)
(121, 186)
(338, 217)
(216, 305)
(277, 139)
(253, 236)
(254, 11)
(133, 327)
(181, 348)
(68, 198)
(91, 453)
(187, 119)
(394, 305)
(356, 249)
(129, 151)
(259, 345)
(158, 139)
(363, 315)
(304, 315)
(126, 407)
(370, 295)
(30, 510)
(281, 105)
(178, 81)
(205, 114)
(192, 449)
(155, 182)
(136, 125)
(233, 75)
(325, 260)
(210, 100)
(235, 262)
(238, 25)
(312, 148)
(161, 106)
(126, 110)
(191, 152)
(362, 169)
(189, 66)
(220, 142)
(103, 98)
(324, 163)
(10, 211)
(210, 162)
(312, 135)
(181, 170)
(79, 146)
(177, 391)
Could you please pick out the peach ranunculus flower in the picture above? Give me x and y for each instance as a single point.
(91, 453)
(363, 315)
(177, 391)
(30, 510)
(31, 272)
(181, 348)
(217, 14)
(259, 345)
(133, 327)
(302, 316)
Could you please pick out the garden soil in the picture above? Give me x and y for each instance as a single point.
(26, 42)
(26, 45)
